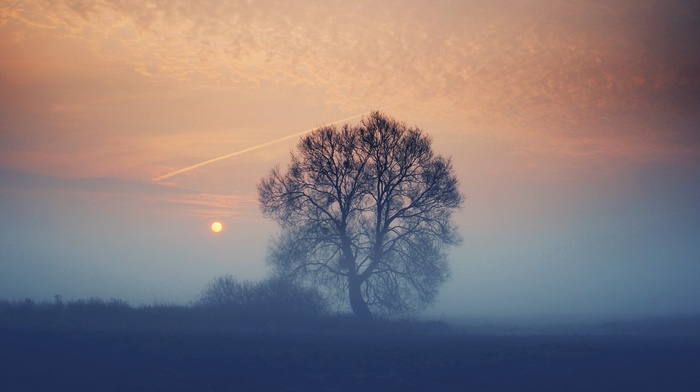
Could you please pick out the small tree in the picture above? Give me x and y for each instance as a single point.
(365, 211)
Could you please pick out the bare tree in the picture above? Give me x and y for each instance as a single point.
(365, 211)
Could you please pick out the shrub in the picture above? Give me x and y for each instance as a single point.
(273, 299)
(225, 292)
(280, 295)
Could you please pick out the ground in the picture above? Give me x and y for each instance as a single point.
(278, 360)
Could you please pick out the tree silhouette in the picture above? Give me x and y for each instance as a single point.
(365, 212)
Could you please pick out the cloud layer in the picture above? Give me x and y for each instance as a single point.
(563, 64)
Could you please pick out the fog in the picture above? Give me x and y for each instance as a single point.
(572, 128)
(605, 251)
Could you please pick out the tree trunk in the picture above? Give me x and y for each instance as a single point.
(357, 303)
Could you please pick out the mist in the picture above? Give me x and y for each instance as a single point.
(127, 128)
(619, 248)
(605, 249)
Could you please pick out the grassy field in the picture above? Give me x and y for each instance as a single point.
(180, 350)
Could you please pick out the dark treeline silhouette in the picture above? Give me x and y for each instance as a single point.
(225, 304)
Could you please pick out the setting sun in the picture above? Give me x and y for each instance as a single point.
(217, 227)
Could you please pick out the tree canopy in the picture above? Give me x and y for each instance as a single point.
(365, 212)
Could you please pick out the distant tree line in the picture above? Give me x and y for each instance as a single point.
(225, 304)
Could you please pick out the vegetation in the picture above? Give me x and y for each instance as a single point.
(109, 345)
(365, 213)
(275, 298)
(225, 304)
(144, 353)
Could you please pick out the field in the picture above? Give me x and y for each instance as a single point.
(303, 361)
(337, 357)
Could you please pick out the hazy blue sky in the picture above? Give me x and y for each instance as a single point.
(574, 127)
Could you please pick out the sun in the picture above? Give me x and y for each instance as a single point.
(216, 227)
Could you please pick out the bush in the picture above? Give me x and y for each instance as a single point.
(280, 295)
(271, 299)
(226, 292)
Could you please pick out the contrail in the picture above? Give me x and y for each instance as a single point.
(233, 154)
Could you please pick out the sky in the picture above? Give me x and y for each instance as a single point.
(573, 127)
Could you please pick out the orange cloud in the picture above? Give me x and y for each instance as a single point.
(532, 71)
